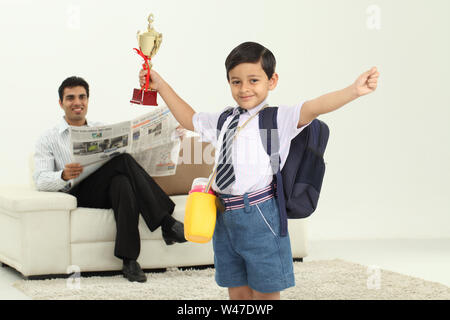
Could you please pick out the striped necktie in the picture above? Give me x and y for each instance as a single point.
(225, 171)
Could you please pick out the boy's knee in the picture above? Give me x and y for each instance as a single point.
(266, 296)
(240, 293)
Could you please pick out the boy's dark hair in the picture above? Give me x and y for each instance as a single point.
(73, 82)
(251, 52)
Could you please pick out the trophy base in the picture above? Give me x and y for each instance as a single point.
(145, 98)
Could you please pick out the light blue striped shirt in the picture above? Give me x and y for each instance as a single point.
(53, 152)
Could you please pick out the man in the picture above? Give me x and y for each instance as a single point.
(121, 183)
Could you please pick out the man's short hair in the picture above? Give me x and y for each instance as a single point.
(251, 52)
(72, 82)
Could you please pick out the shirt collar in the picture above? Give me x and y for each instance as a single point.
(63, 125)
(256, 109)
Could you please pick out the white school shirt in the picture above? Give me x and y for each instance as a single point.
(52, 153)
(251, 163)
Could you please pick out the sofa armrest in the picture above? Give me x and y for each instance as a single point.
(35, 230)
(25, 199)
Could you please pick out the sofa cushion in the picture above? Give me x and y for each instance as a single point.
(98, 225)
(196, 160)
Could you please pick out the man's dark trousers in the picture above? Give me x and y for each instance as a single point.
(123, 185)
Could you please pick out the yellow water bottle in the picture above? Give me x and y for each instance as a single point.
(200, 213)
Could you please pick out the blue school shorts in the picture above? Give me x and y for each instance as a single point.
(248, 249)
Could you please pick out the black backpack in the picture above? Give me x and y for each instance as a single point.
(300, 181)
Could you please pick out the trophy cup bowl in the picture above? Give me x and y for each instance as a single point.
(149, 43)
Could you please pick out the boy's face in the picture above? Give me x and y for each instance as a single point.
(250, 85)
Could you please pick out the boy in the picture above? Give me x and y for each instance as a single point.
(250, 256)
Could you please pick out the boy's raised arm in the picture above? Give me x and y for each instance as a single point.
(179, 108)
(311, 109)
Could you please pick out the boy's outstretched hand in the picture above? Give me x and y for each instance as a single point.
(367, 82)
(311, 109)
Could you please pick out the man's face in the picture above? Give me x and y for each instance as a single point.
(250, 85)
(75, 105)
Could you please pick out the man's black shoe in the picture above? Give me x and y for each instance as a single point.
(133, 272)
(174, 234)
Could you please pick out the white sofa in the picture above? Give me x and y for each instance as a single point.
(45, 233)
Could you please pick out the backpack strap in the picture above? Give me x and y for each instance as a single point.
(222, 118)
(268, 129)
(269, 135)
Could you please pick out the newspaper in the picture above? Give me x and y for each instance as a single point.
(152, 139)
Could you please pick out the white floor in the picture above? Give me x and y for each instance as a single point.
(428, 259)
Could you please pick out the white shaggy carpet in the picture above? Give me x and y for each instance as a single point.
(315, 280)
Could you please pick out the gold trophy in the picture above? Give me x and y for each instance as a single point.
(149, 43)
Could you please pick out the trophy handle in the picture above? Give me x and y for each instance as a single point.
(158, 42)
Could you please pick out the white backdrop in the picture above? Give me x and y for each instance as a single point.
(388, 152)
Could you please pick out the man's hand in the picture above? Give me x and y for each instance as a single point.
(155, 79)
(181, 132)
(367, 82)
(71, 171)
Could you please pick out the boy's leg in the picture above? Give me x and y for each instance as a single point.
(229, 265)
(240, 293)
(265, 296)
(267, 255)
